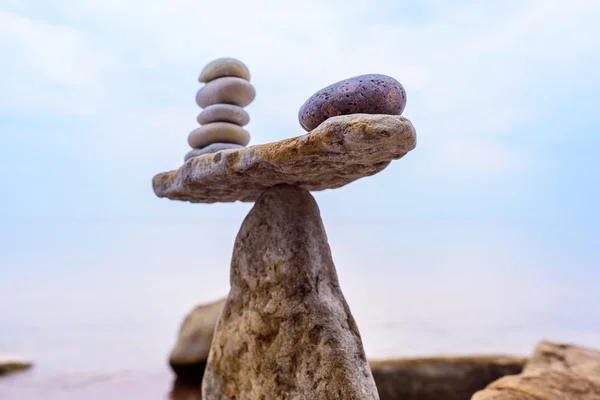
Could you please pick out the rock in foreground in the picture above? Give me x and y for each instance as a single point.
(554, 372)
(188, 357)
(285, 331)
(440, 378)
(10, 364)
(338, 152)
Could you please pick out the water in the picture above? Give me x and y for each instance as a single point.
(97, 304)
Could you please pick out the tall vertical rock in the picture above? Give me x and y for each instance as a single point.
(286, 331)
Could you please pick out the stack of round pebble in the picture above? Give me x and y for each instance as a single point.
(226, 92)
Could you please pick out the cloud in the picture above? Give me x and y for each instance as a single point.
(49, 68)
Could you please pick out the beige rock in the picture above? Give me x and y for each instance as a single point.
(554, 372)
(440, 378)
(228, 90)
(225, 66)
(218, 132)
(224, 113)
(338, 152)
(188, 357)
(285, 331)
(10, 363)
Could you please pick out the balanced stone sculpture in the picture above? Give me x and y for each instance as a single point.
(226, 92)
(285, 330)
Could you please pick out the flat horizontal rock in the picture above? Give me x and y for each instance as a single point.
(336, 153)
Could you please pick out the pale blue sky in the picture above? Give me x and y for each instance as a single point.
(98, 96)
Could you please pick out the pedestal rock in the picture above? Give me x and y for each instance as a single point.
(285, 330)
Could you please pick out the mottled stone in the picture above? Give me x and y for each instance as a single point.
(285, 331)
(188, 357)
(224, 113)
(218, 132)
(338, 152)
(365, 94)
(554, 372)
(211, 148)
(222, 67)
(10, 364)
(437, 378)
(228, 90)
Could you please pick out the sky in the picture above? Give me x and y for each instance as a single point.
(500, 199)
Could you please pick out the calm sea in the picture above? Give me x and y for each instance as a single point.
(96, 305)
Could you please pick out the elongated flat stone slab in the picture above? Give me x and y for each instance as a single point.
(336, 153)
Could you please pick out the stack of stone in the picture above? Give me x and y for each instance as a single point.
(226, 92)
(285, 330)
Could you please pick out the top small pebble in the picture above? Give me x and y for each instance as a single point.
(222, 67)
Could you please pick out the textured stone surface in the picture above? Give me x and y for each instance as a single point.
(10, 364)
(228, 90)
(440, 378)
(338, 152)
(224, 113)
(225, 66)
(367, 94)
(554, 372)
(188, 357)
(285, 331)
(211, 148)
(218, 132)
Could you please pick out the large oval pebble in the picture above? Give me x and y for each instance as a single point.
(224, 113)
(211, 148)
(228, 90)
(225, 66)
(365, 94)
(218, 132)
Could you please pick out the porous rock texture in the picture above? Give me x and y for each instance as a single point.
(285, 331)
(440, 378)
(188, 357)
(554, 372)
(368, 94)
(339, 151)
